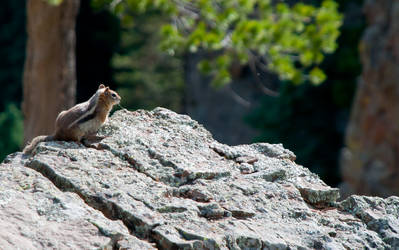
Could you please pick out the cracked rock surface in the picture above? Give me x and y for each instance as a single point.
(159, 180)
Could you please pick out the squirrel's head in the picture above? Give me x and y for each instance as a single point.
(109, 95)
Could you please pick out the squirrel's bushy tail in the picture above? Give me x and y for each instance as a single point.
(32, 145)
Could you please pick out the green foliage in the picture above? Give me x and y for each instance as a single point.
(311, 120)
(11, 130)
(317, 76)
(54, 2)
(147, 77)
(291, 39)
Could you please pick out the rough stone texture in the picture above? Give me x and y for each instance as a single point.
(370, 163)
(159, 179)
(35, 214)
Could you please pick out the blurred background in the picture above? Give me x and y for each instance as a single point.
(322, 82)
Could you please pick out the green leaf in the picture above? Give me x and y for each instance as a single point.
(54, 2)
(317, 76)
(221, 78)
(205, 67)
(306, 58)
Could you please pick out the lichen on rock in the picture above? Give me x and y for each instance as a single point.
(159, 180)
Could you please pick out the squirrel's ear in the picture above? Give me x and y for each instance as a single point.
(107, 89)
(101, 86)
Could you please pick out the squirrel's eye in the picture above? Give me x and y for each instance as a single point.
(113, 95)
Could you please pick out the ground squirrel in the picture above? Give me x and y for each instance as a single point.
(82, 121)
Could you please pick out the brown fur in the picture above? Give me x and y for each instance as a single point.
(81, 120)
(105, 105)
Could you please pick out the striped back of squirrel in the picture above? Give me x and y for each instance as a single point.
(90, 123)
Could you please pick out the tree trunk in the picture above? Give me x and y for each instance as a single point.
(370, 163)
(50, 72)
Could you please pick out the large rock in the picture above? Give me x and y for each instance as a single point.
(370, 162)
(160, 180)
